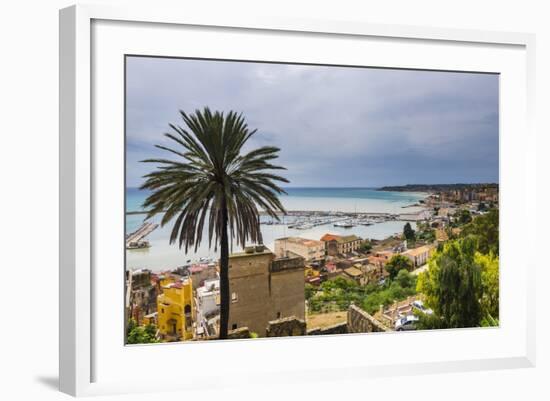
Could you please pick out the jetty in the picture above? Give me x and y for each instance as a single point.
(136, 239)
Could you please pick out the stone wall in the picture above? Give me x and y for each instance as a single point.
(287, 295)
(264, 289)
(286, 327)
(241, 332)
(287, 263)
(250, 294)
(338, 328)
(360, 321)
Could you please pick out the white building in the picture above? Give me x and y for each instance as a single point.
(208, 298)
(308, 249)
(419, 256)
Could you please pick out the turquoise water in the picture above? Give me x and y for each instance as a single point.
(161, 255)
(335, 199)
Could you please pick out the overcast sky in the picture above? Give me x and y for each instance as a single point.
(336, 126)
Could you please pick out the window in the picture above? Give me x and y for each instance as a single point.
(234, 326)
(234, 297)
(188, 320)
(278, 315)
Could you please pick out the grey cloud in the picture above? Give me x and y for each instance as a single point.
(335, 126)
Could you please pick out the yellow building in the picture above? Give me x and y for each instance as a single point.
(310, 272)
(175, 310)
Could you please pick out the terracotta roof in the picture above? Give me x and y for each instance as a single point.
(418, 251)
(330, 237)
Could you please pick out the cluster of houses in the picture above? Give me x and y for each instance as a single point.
(267, 286)
(470, 194)
(184, 304)
(336, 255)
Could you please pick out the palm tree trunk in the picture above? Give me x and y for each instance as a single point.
(224, 275)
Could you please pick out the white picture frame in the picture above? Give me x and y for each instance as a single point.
(81, 347)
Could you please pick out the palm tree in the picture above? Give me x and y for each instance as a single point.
(213, 180)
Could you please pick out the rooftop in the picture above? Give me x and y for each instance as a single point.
(385, 254)
(285, 263)
(209, 287)
(353, 272)
(255, 250)
(418, 251)
(301, 241)
(329, 237)
(348, 238)
(199, 267)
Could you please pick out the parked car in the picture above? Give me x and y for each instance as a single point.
(419, 306)
(406, 323)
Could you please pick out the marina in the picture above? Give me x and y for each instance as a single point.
(305, 220)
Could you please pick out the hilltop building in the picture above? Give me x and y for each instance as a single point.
(339, 245)
(310, 250)
(419, 256)
(265, 287)
(175, 309)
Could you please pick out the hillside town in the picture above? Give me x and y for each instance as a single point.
(334, 284)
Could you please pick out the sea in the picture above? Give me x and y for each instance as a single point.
(161, 255)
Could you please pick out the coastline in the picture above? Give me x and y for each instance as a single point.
(389, 212)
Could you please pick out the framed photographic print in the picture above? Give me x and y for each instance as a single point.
(254, 191)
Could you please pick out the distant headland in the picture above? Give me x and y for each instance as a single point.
(438, 187)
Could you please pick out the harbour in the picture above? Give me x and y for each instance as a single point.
(136, 239)
(309, 213)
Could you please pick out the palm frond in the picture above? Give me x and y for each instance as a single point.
(209, 173)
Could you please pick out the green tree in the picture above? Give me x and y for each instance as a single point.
(212, 181)
(490, 285)
(453, 285)
(408, 232)
(427, 235)
(397, 263)
(405, 279)
(485, 229)
(464, 217)
(140, 334)
(389, 294)
(366, 246)
(309, 291)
